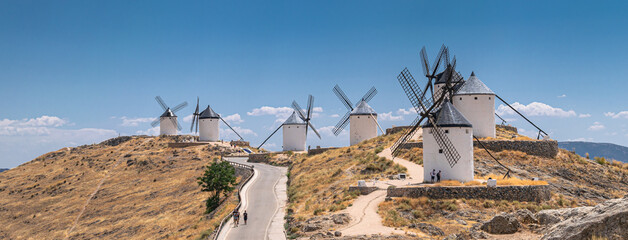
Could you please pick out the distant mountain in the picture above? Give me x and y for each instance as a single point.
(3, 169)
(606, 150)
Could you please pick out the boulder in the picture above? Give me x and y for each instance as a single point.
(428, 228)
(341, 218)
(526, 216)
(337, 233)
(501, 224)
(548, 217)
(311, 227)
(607, 220)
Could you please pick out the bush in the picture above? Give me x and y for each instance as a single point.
(601, 160)
(379, 149)
(219, 177)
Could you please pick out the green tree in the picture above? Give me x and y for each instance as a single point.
(219, 177)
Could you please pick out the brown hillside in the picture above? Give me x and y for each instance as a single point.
(141, 189)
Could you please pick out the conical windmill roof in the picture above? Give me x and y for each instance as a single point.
(442, 77)
(363, 108)
(473, 86)
(168, 113)
(449, 116)
(208, 113)
(294, 120)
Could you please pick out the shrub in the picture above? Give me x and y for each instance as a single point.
(379, 149)
(601, 160)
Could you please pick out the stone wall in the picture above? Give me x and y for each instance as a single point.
(396, 129)
(259, 157)
(362, 190)
(535, 193)
(544, 148)
(319, 150)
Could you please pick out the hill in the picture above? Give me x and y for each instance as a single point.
(605, 150)
(123, 188)
(318, 188)
(3, 169)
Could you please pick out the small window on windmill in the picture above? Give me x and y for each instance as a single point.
(460, 98)
(446, 131)
(489, 98)
(476, 98)
(430, 131)
(440, 150)
(466, 131)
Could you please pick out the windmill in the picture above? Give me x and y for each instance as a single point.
(207, 124)
(295, 128)
(449, 80)
(362, 117)
(168, 124)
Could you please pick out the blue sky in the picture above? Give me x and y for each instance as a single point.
(79, 72)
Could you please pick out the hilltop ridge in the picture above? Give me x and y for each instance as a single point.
(126, 187)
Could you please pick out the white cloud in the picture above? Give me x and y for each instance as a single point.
(134, 122)
(329, 131)
(584, 115)
(562, 96)
(278, 112)
(234, 119)
(622, 114)
(402, 111)
(151, 131)
(188, 118)
(228, 134)
(317, 109)
(581, 139)
(389, 117)
(30, 126)
(535, 109)
(596, 126)
(334, 115)
(23, 140)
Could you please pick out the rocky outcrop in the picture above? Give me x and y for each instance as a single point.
(428, 228)
(608, 220)
(502, 224)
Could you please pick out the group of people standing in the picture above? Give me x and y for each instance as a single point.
(436, 175)
(236, 217)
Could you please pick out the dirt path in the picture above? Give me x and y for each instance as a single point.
(363, 212)
(415, 171)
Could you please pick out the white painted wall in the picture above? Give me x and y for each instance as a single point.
(167, 126)
(480, 111)
(462, 140)
(362, 127)
(208, 129)
(294, 137)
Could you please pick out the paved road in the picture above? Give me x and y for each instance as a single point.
(264, 201)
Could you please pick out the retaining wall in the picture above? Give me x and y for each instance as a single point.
(534, 193)
(543, 148)
(259, 157)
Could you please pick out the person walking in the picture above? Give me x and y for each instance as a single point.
(438, 176)
(433, 174)
(246, 216)
(236, 218)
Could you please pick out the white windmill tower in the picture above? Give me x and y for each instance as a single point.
(295, 128)
(362, 117)
(207, 124)
(477, 103)
(459, 131)
(168, 124)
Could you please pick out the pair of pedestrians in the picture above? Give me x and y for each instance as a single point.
(236, 217)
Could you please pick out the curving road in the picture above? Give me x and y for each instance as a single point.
(264, 199)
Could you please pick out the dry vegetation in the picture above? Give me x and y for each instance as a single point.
(148, 191)
(574, 181)
(319, 183)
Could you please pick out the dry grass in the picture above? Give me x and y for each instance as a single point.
(319, 183)
(414, 155)
(151, 193)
